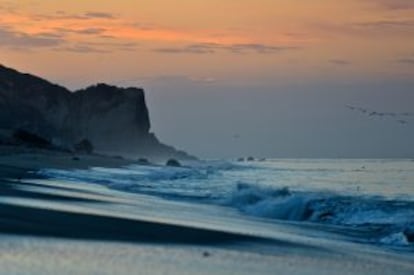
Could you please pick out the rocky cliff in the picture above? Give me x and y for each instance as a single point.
(115, 120)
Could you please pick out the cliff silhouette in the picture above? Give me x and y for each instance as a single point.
(113, 120)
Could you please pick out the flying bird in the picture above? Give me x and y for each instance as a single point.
(398, 117)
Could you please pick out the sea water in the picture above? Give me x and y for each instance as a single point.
(372, 200)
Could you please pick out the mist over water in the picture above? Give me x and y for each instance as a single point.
(292, 119)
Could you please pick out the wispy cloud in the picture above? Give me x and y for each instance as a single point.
(339, 62)
(62, 15)
(211, 48)
(110, 26)
(192, 49)
(82, 49)
(406, 60)
(381, 24)
(168, 79)
(106, 26)
(394, 4)
(94, 14)
(15, 39)
(82, 31)
(113, 46)
(379, 28)
(58, 39)
(97, 47)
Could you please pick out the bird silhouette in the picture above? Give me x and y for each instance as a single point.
(398, 117)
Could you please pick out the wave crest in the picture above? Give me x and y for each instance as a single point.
(393, 219)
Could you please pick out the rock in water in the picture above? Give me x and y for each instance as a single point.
(115, 120)
(143, 161)
(173, 163)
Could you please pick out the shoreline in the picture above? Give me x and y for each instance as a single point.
(28, 159)
(40, 222)
(23, 220)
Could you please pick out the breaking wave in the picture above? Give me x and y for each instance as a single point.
(392, 220)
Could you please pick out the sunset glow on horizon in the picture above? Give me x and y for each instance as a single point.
(357, 35)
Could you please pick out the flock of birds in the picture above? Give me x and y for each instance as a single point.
(401, 118)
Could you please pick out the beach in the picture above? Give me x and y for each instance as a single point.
(207, 137)
(54, 227)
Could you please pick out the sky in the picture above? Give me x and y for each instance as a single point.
(267, 78)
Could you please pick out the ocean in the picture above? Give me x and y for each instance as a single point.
(353, 200)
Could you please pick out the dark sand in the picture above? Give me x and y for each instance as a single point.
(15, 168)
(54, 223)
(39, 238)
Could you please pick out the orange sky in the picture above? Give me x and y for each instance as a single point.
(279, 73)
(257, 39)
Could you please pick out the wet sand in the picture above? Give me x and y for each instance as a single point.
(47, 229)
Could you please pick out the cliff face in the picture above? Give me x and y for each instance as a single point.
(27, 102)
(115, 120)
(109, 117)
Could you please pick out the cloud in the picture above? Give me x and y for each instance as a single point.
(168, 79)
(81, 49)
(62, 15)
(194, 49)
(380, 24)
(59, 40)
(114, 46)
(257, 48)
(91, 31)
(406, 60)
(339, 62)
(104, 15)
(109, 26)
(13, 39)
(395, 4)
(76, 28)
(378, 28)
(82, 31)
(97, 47)
(211, 48)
